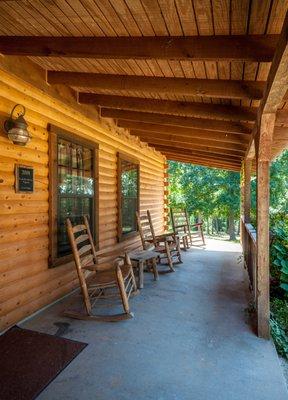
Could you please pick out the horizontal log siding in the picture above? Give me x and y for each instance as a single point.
(26, 283)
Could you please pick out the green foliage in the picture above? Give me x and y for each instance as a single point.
(279, 252)
(205, 192)
(278, 187)
(279, 184)
(279, 249)
(279, 325)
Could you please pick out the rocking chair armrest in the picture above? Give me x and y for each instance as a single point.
(113, 255)
(180, 226)
(164, 236)
(123, 264)
(196, 224)
(105, 266)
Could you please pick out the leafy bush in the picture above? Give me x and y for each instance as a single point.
(279, 282)
(279, 325)
(279, 250)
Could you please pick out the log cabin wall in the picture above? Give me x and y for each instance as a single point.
(27, 284)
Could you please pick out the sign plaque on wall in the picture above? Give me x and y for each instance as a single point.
(24, 179)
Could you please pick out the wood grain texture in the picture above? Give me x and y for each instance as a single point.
(189, 109)
(189, 122)
(24, 218)
(277, 82)
(201, 151)
(183, 131)
(251, 48)
(202, 21)
(232, 89)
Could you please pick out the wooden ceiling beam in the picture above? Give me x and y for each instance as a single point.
(277, 81)
(275, 90)
(174, 120)
(255, 48)
(205, 163)
(200, 142)
(189, 109)
(202, 163)
(184, 141)
(187, 132)
(226, 89)
(194, 148)
(196, 154)
(209, 164)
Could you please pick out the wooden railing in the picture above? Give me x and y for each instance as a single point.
(248, 240)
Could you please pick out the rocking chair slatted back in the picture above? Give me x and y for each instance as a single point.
(87, 260)
(181, 222)
(144, 230)
(82, 242)
(93, 279)
(82, 238)
(181, 227)
(80, 256)
(78, 228)
(151, 226)
(168, 240)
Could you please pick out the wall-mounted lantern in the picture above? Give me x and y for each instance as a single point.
(16, 128)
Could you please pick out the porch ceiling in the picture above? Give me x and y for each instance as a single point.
(185, 76)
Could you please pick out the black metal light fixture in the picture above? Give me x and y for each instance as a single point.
(16, 128)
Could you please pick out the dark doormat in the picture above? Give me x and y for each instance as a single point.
(30, 360)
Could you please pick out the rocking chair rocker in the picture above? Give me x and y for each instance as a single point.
(95, 278)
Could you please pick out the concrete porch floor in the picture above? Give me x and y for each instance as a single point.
(189, 340)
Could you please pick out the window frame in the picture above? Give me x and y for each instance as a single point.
(56, 133)
(125, 157)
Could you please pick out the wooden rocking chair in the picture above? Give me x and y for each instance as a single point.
(180, 218)
(96, 278)
(198, 235)
(166, 244)
(181, 228)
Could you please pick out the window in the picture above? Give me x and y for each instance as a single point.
(128, 196)
(72, 189)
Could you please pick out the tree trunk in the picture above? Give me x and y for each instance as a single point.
(220, 225)
(231, 227)
(207, 226)
(217, 225)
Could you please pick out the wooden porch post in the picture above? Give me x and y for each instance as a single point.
(245, 205)
(263, 148)
(247, 190)
(166, 194)
(276, 88)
